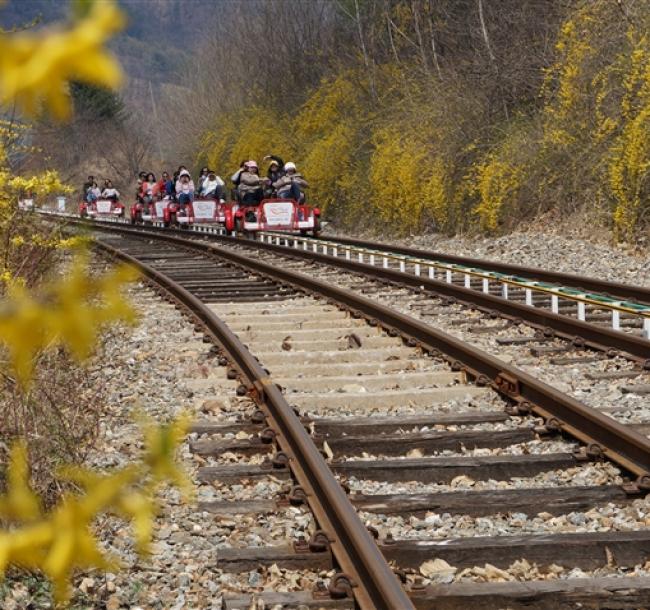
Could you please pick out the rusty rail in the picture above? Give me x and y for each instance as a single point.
(602, 434)
(578, 332)
(365, 573)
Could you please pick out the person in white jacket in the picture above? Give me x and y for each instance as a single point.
(110, 192)
(184, 188)
(213, 186)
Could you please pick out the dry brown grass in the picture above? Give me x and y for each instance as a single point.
(58, 417)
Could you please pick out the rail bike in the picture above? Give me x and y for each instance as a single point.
(208, 211)
(155, 211)
(204, 211)
(102, 208)
(284, 215)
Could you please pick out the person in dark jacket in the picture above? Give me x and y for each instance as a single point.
(273, 174)
(165, 185)
(203, 176)
(292, 185)
(87, 184)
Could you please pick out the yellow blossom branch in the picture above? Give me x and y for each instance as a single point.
(35, 68)
(69, 312)
(62, 540)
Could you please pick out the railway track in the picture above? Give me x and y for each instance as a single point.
(409, 420)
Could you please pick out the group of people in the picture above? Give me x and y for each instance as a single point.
(249, 188)
(282, 180)
(92, 192)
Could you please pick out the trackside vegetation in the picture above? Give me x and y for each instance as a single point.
(451, 115)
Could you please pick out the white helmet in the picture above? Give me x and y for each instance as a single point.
(289, 165)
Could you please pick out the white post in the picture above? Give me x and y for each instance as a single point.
(449, 277)
(325, 249)
(468, 280)
(304, 245)
(347, 254)
(295, 243)
(432, 273)
(555, 303)
(504, 291)
(335, 252)
(360, 257)
(529, 297)
(417, 268)
(486, 285)
(402, 265)
(646, 328)
(372, 260)
(616, 319)
(385, 263)
(277, 241)
(582, 311)
(315, 247)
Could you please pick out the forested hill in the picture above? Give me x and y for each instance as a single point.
(412, 114)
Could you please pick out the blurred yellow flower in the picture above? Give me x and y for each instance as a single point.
(62, 540)
(20, 502)
(159, 443)
(70, 312)
(37, 67)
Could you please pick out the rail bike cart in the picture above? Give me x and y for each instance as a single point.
(161, 210)
(277, 215)
(207, 212)
(102, 208)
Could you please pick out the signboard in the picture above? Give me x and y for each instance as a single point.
(204, 210)
(60, 204)
(278, 213)
(104, 206)
(160, 208)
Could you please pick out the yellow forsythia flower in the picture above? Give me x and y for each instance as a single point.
(63, 540)
(70, 312)
(159, 441)
(37, 66)
(20, 502)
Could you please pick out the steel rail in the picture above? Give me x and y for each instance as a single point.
(637, 293)
(603, 435)
(366, 574)
(577, 331)
(533, 286)
(580, 333)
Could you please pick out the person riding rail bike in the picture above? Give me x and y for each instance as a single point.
(213, 187)
(291, 185)
(110, 192)
(149, 190)
(184, 188)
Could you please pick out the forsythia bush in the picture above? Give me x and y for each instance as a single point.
(496, 182)
(70, 313)
(328, 130)
(34, 72)
(62, 540)
(407, 150)
(251, 133)
(629, 164)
